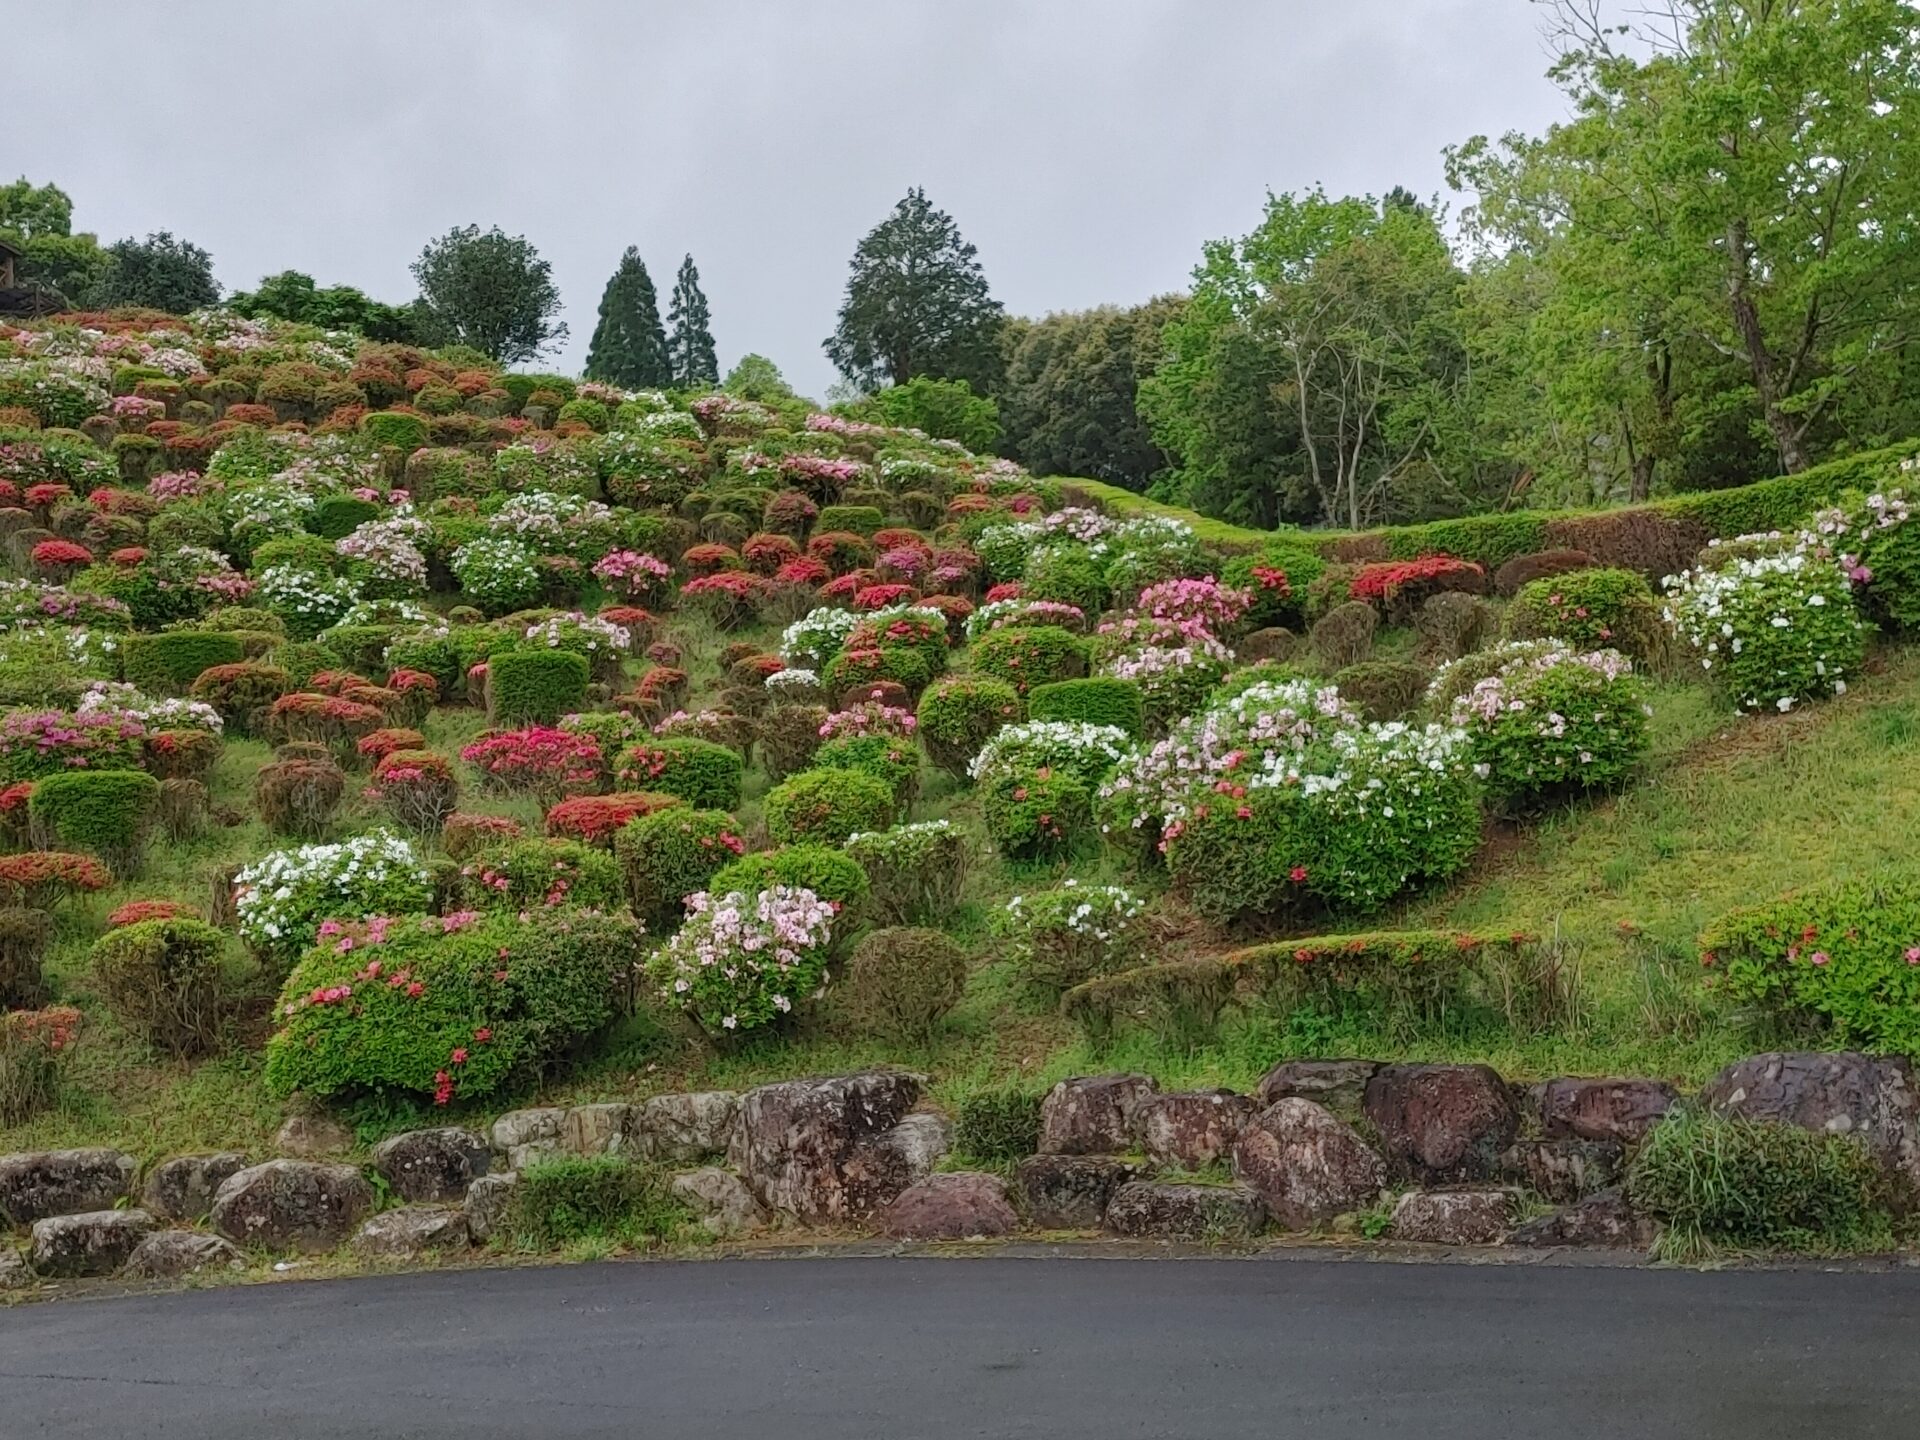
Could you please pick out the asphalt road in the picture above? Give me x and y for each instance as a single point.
(898, 1349)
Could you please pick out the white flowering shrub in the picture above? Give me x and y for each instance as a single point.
(113, 699)
(498, 575)
(814, 639)
(1087, 752)
(1556, 723)
(1773, 629)
(306, 600)
(1348, 823)
(1005, 548)
(388, 556)
(740, 961)
(283, 897)
(1058, 938)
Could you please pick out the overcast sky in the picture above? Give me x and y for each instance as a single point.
(1087, 147)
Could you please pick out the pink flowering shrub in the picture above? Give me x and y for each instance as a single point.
(741, 961)
(48, 742)
(540, 761)
(1218, 607)
(644, 579)
(1551, 722)
(869, 718)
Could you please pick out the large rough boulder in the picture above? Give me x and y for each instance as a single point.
(1843, 1093)
(807, 1148)
(1442, 1124)
(1306, 1163)
(725, 1206)
(303, 1205)
(1604, 1221)
(1092, 1114)
(183, 1188)
(681, 1129)
(99, 1243)
(526, 1137)
(1152, 1210)
(881, 1168)
(14, 1273)
(1337, 1085)
(1070, 1192)
(1191, 1129)
(1623, 1110)
(433, 1165)
(1564, 1170)
(488, 1199)
(410, 1232)
(170, 1254)
(63, 1182)
(313, 1137)
(960, 1205)
(1452, 1217)
(602, 1129)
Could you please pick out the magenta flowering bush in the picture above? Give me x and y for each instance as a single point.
(1217, 607)
(742, 961)
(634, 576)
(869, 717)
(47, 742)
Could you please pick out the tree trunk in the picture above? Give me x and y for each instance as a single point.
(1766, 375)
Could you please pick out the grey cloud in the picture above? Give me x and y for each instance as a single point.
(1088, 149)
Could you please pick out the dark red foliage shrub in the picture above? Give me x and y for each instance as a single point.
(382, 743)
(841, 550)
(729, 599)
(765, 553)
(298, 797)
(465, 835)
(806, 570)
(42, 878)
(136, 911)
(703, 560)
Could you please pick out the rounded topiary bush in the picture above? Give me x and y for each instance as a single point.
(900, 983)
(1100, 700)
(536, 687)
(1037, 814)
(1382, 689)
(1067, 577)
(827, 806)
(283, 898)
(788, 736)
(671, 854)
(960, 714)
(704, 774)
(162, 980)
(1060, 938)
(1771, 630)
(829, 873)
(1549, 725)
(1026, 656)
(1593, 609)
(1343, 637)
(108, 813)
(539, 871)
(851, 670)
(891, 759)
(169, 663)
(298, 798)
(918, 872)
(448, 1008)
(25, 936)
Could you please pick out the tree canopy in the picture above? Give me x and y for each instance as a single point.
(917, 304)
(492, 291)
(690, 353)
(293, 295)
(160, 273)
(629, 346)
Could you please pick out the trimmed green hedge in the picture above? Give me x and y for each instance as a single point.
(536, 687)
(169, 663)
(1101, 700)
(104, 812)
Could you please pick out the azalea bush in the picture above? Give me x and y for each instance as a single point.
(669, 854)
(1058, 938)
(1557, 723)
(742, 962)
(34, 1048)
(498, 575)
(1086, 752)
(1028, 656)
(811, 641)
(282, 898)
(535, 872)
(540, 761)
(827, 806)
(51, 742)
(1037, 814)
(1771, 630)
(917, 872)
(447, 1007)
(1349, 823)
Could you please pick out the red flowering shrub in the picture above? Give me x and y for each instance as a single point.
(46, 495)
(663, 687)
(841, 550)
(962, 506)
(754, 669)
(465, 835)
(57, 559)
(879, 597)
(639, 623)
(765, 553)
(841, 589)
(329, 720)
(128, 556)
(335, 682)
(806, 570)
(895, 538)
(851, 668)
(704, 560)
(15, 803)
(40, 879)
(181, 754)
(730, 599)
(33, 1047)
(382, 743)
(1005, 590)
(540, 761)
(417, 788)
(1402, 586)
(596, 819)
(956, 608)
(136, 911)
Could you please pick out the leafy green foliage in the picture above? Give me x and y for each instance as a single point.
(536, 871)
(629, 347)
(162, 980)
(491, 291)
(826, 806)
(169, 663)
(1026, 656)
(1594, 609)
(917, 872)
(600, 1197)
(704, 774)
(105, 812)
(672, 854)
(831, 874)
(998, 1126)
(1037, 814)
(690, 353)
(1752, 1185)
(900, 983)
(535, 687)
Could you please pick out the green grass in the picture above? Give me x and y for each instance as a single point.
(1728, 810)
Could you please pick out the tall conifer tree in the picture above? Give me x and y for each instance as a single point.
(690, 349)
(629, 346)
